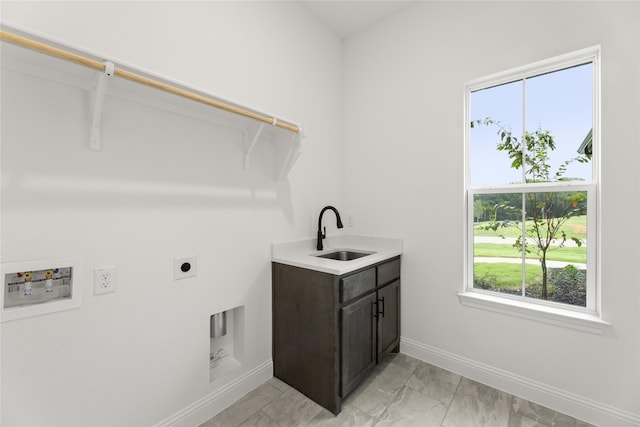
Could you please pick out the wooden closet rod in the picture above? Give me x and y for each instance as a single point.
(99, 66)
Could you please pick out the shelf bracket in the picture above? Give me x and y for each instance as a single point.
(251, 145)
(98, 89)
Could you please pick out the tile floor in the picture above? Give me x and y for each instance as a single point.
(402, 391)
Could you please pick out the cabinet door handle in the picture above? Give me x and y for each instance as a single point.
(381, 300)
(374, 309)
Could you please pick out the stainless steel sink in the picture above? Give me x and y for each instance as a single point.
(344, 255)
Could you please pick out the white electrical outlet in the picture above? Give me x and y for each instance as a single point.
(104, 280)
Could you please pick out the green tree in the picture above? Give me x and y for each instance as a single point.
(546, 212)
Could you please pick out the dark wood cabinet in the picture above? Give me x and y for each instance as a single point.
(388, 317)
(330, 331)
(358, 343)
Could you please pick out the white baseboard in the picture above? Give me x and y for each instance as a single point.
(213, 403)
(580, 407)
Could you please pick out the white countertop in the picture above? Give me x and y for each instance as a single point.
(303, 253)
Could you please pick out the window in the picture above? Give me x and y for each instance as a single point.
(532, 184)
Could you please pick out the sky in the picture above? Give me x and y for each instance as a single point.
(560, 102)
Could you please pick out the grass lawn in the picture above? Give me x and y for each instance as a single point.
(496, 250)
(574, 227)
(507, 276)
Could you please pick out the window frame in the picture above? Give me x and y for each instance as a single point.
(583, 318)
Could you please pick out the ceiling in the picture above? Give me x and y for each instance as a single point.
(349, 17)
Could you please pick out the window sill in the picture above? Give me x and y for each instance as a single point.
(558, 316)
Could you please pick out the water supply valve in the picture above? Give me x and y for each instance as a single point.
(31, 288)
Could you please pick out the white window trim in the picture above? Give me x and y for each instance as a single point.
(559, 316)
(589, 319)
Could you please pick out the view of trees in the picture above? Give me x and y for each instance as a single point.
(545, 213)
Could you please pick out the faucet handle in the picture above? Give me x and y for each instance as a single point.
(319, 242)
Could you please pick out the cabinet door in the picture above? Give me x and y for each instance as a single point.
(358, 341)
(388, 318)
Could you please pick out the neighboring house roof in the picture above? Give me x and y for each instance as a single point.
(586, 147)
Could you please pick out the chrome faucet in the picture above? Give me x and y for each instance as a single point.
(321, 234)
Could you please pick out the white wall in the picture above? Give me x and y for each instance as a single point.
(404, 177)
(139, 356)
(165, 185)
